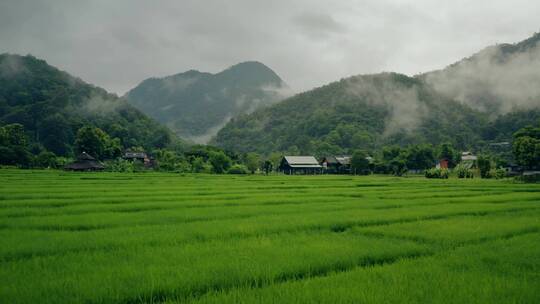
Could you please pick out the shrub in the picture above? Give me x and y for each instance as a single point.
(463, 172)
(46, 159)
(200, 166)
(238, 169)
(119, 165)
(497, 173)
(220, 161)
(437, 173)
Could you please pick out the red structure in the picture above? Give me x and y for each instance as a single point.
(443, 163)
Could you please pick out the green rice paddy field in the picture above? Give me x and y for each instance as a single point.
(170, 238)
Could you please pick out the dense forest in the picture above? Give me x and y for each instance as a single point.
(195, 105)
(479, 100)
(49, 107)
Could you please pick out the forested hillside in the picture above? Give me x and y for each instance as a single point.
(481, 99)
(52, 105)
(362, 112)
(196, 105)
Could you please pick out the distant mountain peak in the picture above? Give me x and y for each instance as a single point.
(249, 65)
(197, 104)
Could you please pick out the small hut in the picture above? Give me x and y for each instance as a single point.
(85, 162)
(443, 164)
(300, 165)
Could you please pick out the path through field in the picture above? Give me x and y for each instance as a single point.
(170, 238)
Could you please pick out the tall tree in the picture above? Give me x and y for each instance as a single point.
(97, 143)
(526, 147)
(252, 161)
(359, 162)
(220, 161)
(14, 146)
(420, 157)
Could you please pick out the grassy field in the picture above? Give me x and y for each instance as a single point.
(169, 238)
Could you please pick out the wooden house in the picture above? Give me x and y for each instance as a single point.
(133, 156)
(300, 165)
(337, 164)
(85, 162)
(142, 157)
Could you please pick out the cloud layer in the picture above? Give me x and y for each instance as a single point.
(117, 44)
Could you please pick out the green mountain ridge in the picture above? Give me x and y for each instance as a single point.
(52, 105)
(468, 104)
(197, 104)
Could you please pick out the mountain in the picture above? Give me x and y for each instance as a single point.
(196, 105)
(52, 105)
(483, 98)
(358, 112)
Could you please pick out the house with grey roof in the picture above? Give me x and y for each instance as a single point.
(300, 165)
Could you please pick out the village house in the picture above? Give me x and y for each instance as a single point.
(337, 164)
(85, 162)
(133, 156)
(300, 165)
(468, 160)
(141, 157)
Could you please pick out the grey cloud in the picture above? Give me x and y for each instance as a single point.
(317, 25)
(405, 109)
(100, 105)
(509, 80)
(12, 66)
(117, 44)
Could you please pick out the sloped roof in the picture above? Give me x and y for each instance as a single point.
(469, 158)
(85, 165)
(344, 160)
(301, 160)
(85, 156)
(330, 160)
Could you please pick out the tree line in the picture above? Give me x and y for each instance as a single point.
(17, 150)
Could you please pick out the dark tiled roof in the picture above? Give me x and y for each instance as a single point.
(85, 165)
(85, 156)
(330, 160)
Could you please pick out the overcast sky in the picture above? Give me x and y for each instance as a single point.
(117, 44)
